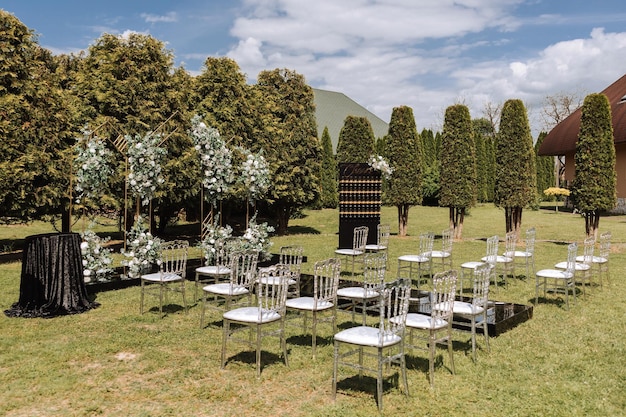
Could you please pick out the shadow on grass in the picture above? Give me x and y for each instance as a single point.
(249, 357)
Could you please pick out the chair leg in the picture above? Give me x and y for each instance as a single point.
(335, 365)
(450, 350)
(431, 359)
(403, 369)
(283, 342)
(258, 351)
(313, 331)
(225, 335)
(474, 338)
(142, 296)
(379, 380)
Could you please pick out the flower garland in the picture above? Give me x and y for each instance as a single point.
(255, 174)
(97, 260)
(91, 165)
(380, 164)
(144, 160)
(216, 160)
(216, 238)
(143, 249)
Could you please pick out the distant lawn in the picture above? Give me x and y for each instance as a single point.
(111, 361)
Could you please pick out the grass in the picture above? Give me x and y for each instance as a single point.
(112, 361)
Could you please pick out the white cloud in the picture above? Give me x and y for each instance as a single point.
(170, 17)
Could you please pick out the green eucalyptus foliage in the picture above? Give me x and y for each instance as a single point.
(404, 153)
(292, 145)
(329, 197)
(356, 140)
(35, 127)
(594, 187)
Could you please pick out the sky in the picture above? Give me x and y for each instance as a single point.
(425, 54)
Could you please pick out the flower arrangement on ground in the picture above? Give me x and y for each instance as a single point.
(92, 165)
(142, 249)
(380, 164)
(256, 237)
(97, 260)
(216, 160)
(144, 161)
(216, 238)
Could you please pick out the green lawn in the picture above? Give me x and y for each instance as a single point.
(112, 361)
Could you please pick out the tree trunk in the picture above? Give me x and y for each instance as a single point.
(403, 219)
(457, 216)
(513, 219)
(283, 213)
(592, 222)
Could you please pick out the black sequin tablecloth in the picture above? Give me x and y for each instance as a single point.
(52, 282)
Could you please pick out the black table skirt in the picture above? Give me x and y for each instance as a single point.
(52, 282)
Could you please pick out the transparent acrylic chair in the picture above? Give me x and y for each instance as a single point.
(490, 257)
(445, 254)
(475, 310)
(583, 265)
(323, 301)
(265, 319)
(382, 242)
(171, 275)
(528, 254)
(292, 256)
(377, 347)
(359, 241)
(558, 280)
(421, 262)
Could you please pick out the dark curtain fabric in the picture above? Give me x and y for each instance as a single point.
(52, 282)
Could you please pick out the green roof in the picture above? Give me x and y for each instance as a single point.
(332, 108)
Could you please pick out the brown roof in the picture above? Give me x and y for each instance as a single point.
(562, 138)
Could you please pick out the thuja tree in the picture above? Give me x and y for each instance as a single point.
(405, 157)
(431, 145)
(35, 128)
(356, 140)
(516, 177)
(593, 190)
(545, 169)
(485, 159)
(328, 193)
(293, 149)
(458, 166)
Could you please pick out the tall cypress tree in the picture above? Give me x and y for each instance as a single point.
(516, 176)
(356, 140)
(405, 157)
(593, 191)
(329, 197)
(458, 166)
(545, 168)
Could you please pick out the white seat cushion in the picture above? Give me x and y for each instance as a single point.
(357, 292)
(518, 254)
(225, 288)
(471, 265)
(499, 258)
(554, 273)
(578, 266)
(251, 315)
(213, 270)
(375, 247)
(414, 258)
(422, 321)
(464, 308)
(439, 254)
(349, 252)
(276, 281)
(308, 303)
(366, 336)
(156, 277)
(595, 259)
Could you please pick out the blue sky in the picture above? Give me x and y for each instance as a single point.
(427, 54)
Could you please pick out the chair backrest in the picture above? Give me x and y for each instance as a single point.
(384, 230)
(374, 269)
(394, 307)
(426, 243)
(326, 281)
(174, 257)
(572, 248)
(444, 289)
(492, 250)
(446, 240)
(530, 240)
(359, 238)
(243, 268)
(292, 256)
(510, 243)
(605, 244)
(271, 289)
(589, 245)
(482, 274)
